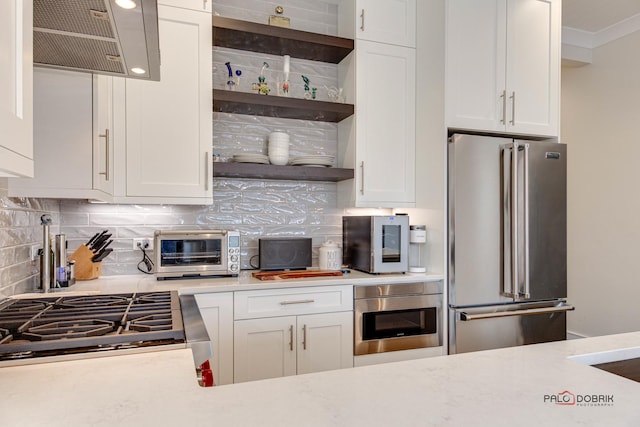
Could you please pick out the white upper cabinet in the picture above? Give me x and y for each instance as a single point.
(200, 5)
(385, 125)
(386, 21)
(503, 66)
(16, 86)
(102, 136)
(168, 126)
(378, 142)
(63, 133)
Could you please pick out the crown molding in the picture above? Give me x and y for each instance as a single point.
(591, 40)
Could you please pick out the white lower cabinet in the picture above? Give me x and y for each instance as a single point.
(280, 346)
(216, 310)
(326, 342)
(280, 332)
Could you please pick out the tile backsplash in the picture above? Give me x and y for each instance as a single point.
(20, 230)
(255, 208)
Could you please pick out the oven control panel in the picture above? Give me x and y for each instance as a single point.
(233, 251)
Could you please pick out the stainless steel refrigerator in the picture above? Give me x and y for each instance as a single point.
(507, 241)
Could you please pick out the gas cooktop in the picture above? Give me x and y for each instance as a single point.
(67, 325)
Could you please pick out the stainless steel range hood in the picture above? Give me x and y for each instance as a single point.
(97, 36)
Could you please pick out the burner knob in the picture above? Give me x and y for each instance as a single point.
(207, 375)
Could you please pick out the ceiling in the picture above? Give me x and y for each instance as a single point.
(595, 15)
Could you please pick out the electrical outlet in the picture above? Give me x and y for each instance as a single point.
(34, 252)
(144, 243)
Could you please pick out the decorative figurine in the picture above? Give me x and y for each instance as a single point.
(334, 94)
(261, 86)
(230, 83)
(278, 20)
(307, 93)
(285, 69)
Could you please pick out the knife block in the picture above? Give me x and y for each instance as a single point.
(85, 268)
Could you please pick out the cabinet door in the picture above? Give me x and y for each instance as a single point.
(385, 125)
(203, 5)
(16, 87)
(533, 66)
(217, 313)
(103, 133)
(264, 348)
(67, 165)
(169, 123)
(387, 21)
(475, 67)
(62, 137)
(325, 342)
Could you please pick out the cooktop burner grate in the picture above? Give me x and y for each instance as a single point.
(69, 329)
(60, 325)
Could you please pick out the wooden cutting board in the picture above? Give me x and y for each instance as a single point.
(277, 275)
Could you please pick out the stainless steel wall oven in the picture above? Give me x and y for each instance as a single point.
(394, 317)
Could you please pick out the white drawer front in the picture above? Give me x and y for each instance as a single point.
(284, 302)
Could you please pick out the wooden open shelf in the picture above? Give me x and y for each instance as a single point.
(226, 101)
(260, 171)
(243, 35)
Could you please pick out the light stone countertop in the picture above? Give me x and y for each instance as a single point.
(505, 387)
(138, 283)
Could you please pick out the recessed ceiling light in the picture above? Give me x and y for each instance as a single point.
(138, 70)
(126, 4)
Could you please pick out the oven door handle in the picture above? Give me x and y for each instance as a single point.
(466, 317)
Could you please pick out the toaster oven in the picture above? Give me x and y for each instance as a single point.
(196, 253)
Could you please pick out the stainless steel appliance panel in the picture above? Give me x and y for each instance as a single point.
(480, 216)
(485, 328)
(376, 244)
(196, 253)
(547, 220)
(506, 242)
(475, 221)
(397, 317)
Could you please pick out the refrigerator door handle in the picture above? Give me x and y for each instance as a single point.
(511, 279)
(525, 173)
(464, 316)
(512, 287)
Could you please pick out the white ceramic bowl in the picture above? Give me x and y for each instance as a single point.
(278, 159)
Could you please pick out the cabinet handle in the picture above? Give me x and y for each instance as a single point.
(503, 120)
(291, 338)
(362, 177)
(362, 20)
(304, 337)
(106, 151)
(207, 178)
(513, 109)
(301, 301)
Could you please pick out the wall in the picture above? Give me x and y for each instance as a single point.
(600, 112)
(20, 230)
(258, 208)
